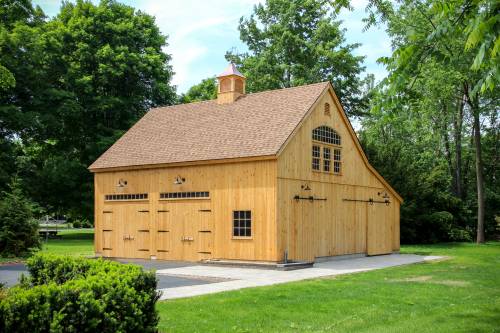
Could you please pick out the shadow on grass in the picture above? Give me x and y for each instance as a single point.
(483, 320)
(77, 235)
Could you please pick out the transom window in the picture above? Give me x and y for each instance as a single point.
(184, 195)
(327, 135)
(242, 223)
(121, 197)
(326, 150)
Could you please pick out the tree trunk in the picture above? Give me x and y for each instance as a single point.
(474, 106)
(447, 150)
(479, 179)
(458, 124)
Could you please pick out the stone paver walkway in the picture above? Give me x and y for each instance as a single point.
(233, 278)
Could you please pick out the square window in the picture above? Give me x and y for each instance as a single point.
(242, 223)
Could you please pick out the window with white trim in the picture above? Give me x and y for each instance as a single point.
(326, 150)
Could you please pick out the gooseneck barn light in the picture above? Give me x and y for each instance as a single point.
(179, 180)
(121, 183)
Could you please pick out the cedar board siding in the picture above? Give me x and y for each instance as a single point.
(332, 227)
(158, 232)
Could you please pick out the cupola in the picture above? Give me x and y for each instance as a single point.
(231, 85)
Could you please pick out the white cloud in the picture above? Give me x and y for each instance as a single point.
(197, 30)
(200, 33)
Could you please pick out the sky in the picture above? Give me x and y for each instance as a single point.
(201, 31)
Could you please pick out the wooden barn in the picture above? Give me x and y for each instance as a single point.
(266, 176)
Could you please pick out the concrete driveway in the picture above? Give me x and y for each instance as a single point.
(10, 273)
(238, 278)
(183, 279)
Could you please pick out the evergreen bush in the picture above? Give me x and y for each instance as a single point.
(18, 229)
(65, 294)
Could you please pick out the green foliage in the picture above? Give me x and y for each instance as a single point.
(81, 223)
(18, 229)
(205, 90)
(67, 294)
(297, 42)
(82, 79)
(419, 131)
(482, 21)
(7, 80)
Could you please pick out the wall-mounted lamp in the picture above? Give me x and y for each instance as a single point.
(384, 196)
(179, 180)
(121, 183)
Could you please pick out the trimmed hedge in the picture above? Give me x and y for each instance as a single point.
(66, 294)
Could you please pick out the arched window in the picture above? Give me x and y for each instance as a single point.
(326, 150)
(327, 135)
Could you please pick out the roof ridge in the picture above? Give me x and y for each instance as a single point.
(289, 88)
(250, 94)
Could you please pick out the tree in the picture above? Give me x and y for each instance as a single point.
(205, 90)
(433, 32)
(82, 79)
(18, 229)
(296, 42)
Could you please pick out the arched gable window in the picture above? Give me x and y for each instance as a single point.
(326, 149)
(327, 135)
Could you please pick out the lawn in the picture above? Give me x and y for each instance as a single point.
(461, 294)
(74, 242)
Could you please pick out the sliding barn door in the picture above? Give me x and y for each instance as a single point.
(379, 229)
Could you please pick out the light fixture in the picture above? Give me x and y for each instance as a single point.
(179, 180)
(385, 196)
(121, 183)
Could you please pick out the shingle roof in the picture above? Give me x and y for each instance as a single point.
(255, 125)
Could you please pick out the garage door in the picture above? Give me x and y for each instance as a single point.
(184, 230)
(126, 230)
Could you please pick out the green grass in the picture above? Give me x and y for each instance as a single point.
(74, 242)
(461, 294)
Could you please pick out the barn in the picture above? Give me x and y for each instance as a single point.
(270, 176)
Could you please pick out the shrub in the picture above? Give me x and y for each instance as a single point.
(461, 235)
(18, 229)
(86, 224)
(67, 294)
